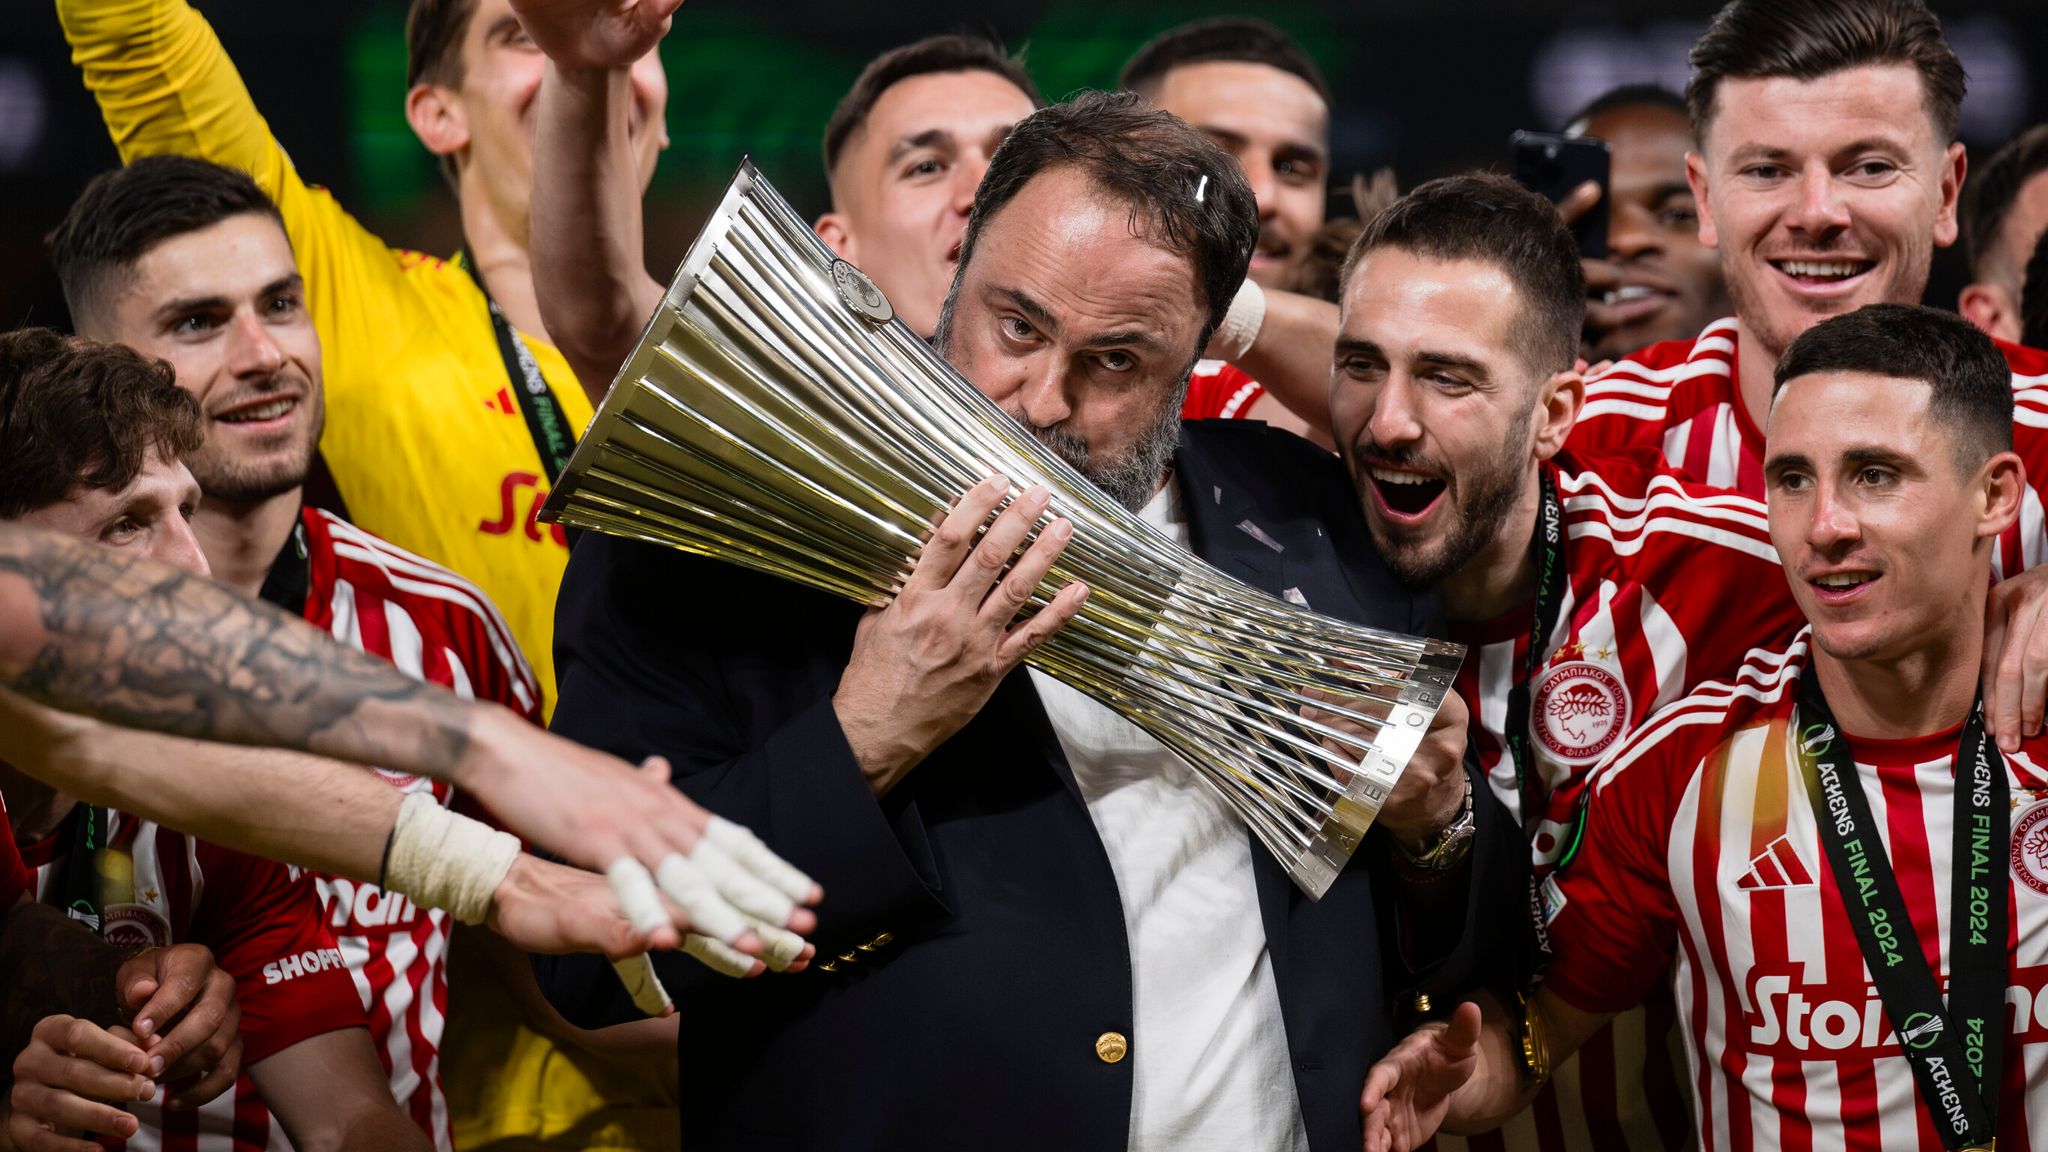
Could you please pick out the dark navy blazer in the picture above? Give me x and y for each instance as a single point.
(987, 936)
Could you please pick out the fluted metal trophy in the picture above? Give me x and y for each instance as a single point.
(777, 416)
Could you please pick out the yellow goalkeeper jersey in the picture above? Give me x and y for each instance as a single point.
(430, 449)
(425, 437)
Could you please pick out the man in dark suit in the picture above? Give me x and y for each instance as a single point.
(1039, 930)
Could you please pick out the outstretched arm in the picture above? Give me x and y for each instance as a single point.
(1291, 357)
(589, 264)
(144, 645)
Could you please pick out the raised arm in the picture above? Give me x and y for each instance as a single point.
(1291, 357)
(589, 264)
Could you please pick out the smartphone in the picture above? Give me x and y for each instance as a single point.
(1554, 165)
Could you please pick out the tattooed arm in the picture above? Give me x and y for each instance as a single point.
(142, 645)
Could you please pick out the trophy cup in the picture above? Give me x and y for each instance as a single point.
(777, 416)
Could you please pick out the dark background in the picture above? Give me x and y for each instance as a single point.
(1428, 88)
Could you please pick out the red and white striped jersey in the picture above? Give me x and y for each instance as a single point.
(263, 923)
(1680, 400)
(1702, 864)
(1218, 390)
(1642, 622)
(437, 627)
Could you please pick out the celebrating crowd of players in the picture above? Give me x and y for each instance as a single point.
(1734, 833)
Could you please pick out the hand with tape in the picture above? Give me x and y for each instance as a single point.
(738, 900)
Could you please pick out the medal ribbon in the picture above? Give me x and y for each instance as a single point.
(1956, 1049)
(545, 422)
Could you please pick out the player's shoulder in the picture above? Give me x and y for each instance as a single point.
(370, 562)
(1663, 363)
(1639, 506)
(1664, 749)
(2029, 365)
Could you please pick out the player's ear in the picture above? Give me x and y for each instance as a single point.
(1984, 304)
(1696, 179)
(1558, 401)
(1953, 164)
(2004, 485)
(832, 229)
(437, 118)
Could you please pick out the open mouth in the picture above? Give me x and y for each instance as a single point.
(1842, 587)
(1635, 301)
(1822, 273)
(1405, 495)
(260, 412)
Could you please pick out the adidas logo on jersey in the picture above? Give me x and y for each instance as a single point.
(1777, 866)
(1809, 1021)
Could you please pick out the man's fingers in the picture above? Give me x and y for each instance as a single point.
(958, 533)
(687, 885)
(2008, 726)
(721, 959)
(1381, 1080)
(218, 1079)
(780, 948)
(1461, 1039)
(639, 900)
(1026, 637)
(740, 887)
(637, 973)
(1578, 202)
(985, 565)
(201, 1037)
(42, 1104)
(180, 975)
(89, 1041)
(746, 848)
(1016, 588)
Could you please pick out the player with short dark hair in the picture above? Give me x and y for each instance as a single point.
(1588, 590)
(100, 413)
(1252, 89)
(304, 1031)
(1839, 874)
(207, 278)
(449, 411)
(903, 151)
(1782, 92)
(1657, 282)
(2004, 211)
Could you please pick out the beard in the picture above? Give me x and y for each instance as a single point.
(1484, 499)
(1131, 479)
(277, 468)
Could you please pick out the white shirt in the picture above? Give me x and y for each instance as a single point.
(1212, 1068)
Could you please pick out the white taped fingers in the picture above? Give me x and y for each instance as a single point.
(639, 900)
(743, 889)
(637, 973)
(779, 946)
(719, 958)
(444, 860)
(699, 898)
(750, 853)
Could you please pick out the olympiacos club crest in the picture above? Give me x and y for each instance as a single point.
(2030, 847)
(1578, 711)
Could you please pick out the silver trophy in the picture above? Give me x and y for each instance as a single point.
(777, 416)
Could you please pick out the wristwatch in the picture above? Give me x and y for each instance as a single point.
(1451, 844)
